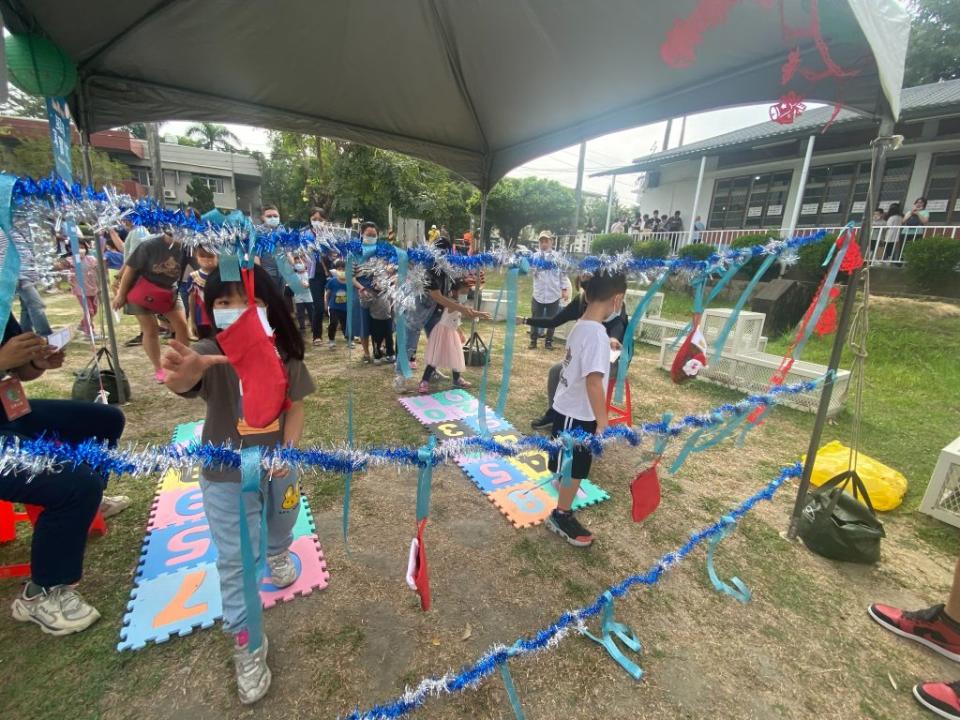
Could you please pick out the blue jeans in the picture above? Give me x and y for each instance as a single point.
(33, 316)
(424, 317)
(221, 503)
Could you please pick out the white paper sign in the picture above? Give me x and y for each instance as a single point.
(809, 208)
(858, 206)
(885, 204)
(774, 210)
(937, 205)
(830, 207)
(755, 211)
(61, 338)
(956, 205)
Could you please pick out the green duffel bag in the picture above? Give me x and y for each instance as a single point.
(837, 526)
(87, 384)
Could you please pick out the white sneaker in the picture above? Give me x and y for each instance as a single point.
(58, 611)
(283, 572)
(113, 504)
(332, 344)
(253, 675)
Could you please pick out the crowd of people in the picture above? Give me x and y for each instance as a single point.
(645, 224)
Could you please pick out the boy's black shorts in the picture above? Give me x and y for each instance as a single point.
(581, 457)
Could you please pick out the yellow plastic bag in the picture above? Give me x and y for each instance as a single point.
(885, 485)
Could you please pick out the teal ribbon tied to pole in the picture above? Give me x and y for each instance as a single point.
(735, 588)
(511, 692)
(566, 461)
(10, 272)
(610, 629)
(348, 479)
(425, 479)
(721, 340)
(721, 432)
(626, 354)
(513, 275)
(250, 478)
(403, 362)
(714, 292)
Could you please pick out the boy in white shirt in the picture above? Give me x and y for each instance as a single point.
(581, 398)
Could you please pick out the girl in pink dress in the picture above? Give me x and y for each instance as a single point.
(445, 347)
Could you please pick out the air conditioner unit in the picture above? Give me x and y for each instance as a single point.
(169, 195)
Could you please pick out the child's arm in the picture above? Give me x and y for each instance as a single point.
(453, 305)
(293, 421)
(597, 396)
(126, 282)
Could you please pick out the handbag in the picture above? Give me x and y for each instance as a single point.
(835, 525)
(151, 296)
(86, 386)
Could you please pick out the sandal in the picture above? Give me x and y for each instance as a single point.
(461, 383)
(424, 388)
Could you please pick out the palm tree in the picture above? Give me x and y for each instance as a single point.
(213, 136)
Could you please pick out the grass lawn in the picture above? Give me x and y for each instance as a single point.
(803, 641)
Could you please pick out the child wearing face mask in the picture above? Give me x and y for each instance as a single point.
(87, 295)
(302, 297)
(335, 298)
(445, 346)
(203, 371)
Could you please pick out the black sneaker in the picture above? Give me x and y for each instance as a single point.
(544, 421)
(134, 341)
(569, 528)
(548, 345)
(533, 345)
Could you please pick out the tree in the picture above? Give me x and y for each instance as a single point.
(201, 195)
(515, 203)
(595, 212)
(22, 105)
(138, 130)
(213, 136)
(933, 53)
(189, 142)
(34, 157)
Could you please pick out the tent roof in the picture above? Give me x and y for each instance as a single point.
(479, 86)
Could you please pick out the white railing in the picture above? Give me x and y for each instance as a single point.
(886, 244)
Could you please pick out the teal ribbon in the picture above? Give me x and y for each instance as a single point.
(728, 326)
(661, 443)
(348, 481)
(403, 362)
(722, 432)
(511, 692)
(714, 292)
(610, 629)
(287, 272)
(626, 354)
(566, 461)
(10, 272)
(250, 478)
(737, 590)
(513, 274)
(229, 265)
(425, 479)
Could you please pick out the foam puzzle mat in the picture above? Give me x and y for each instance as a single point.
(176, 587)
(521, 487)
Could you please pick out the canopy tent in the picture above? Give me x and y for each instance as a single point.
(478, 86)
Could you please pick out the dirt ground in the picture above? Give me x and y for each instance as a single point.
(803, 647)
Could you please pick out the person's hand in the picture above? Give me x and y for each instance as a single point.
(279, 470)
(521, 320)
(601, 428)
(118, 302)
(181, 362)
(474, 314)
(21, 349)
(615, 344)
(52, 360)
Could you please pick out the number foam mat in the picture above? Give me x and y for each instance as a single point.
(176, 587)
(520, 487)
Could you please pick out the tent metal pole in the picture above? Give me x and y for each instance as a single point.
(102, 274)
(878, 161)
(579, 190)
(795, 213)
(613, 182)
(696, 199)
(481, 244)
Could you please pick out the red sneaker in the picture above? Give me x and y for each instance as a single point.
(939, 698)
(930, 627)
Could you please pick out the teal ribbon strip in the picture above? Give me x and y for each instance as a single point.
(722, 432)
(250, 475)
(403, 362)
(728, 326)
(10, 272)
(714, 292)
(287, 272)
(511, 692)
(425, 479)
(610, 629)
(513, 274)
(351, 297)
(626, 354)
(348, 481)
(229, 265)
(566, 462)
(661, 443)
(736, 588)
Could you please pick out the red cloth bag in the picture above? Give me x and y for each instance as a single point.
(421, 576)
(151, 296)
(253, 354)
(645, 491)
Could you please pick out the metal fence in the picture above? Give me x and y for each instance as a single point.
(886, 243)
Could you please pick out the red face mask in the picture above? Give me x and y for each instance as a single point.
(253, 355)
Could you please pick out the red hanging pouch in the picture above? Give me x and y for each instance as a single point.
(421, 577)
(645, 491)
(253, 354)
(691, 357)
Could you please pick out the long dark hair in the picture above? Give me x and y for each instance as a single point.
(289, 341)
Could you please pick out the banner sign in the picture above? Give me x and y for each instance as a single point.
(58, 116)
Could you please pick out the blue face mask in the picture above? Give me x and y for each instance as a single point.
(225, 317)
(369, 239)
(272, 221)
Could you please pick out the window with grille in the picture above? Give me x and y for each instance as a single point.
(750, 201)
(211, 181)
(836, 194)
(943, 193)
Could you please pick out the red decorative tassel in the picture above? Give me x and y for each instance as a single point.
(787, 109)
(854, 258)
(827, 323)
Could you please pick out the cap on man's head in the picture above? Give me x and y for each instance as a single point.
(433, 227)
(545, 235)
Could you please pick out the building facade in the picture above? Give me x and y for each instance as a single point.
(233, 177)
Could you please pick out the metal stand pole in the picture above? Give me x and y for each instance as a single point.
(696, 200)
(481, 244)
(878, 162)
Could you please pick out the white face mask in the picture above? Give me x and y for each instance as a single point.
(272, 221)
(225, 317)
(463, 299)
(299, 267)
(316, 224)
(369, 239)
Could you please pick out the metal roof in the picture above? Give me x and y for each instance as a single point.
(916, 103)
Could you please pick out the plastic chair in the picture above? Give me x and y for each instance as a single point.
(617, 415)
